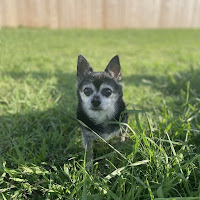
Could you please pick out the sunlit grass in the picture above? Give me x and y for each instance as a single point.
(41, 152)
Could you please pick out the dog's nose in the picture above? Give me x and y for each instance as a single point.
(96, 101)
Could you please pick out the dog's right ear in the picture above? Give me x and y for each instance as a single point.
(83, 67)
(114, 68)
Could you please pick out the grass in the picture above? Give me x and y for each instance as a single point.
(41, 151)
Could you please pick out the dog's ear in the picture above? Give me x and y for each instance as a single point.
(83, 67)
(114, 68)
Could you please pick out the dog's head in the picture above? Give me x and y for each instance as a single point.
(99, 92)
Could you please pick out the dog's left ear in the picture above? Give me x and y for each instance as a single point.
(114, 68)
(83, 67)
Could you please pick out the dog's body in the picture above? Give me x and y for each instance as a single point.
(99, 102)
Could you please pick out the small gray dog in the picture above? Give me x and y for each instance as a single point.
(100, 100)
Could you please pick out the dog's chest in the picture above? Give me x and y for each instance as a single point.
(99, 116)
(106, 133)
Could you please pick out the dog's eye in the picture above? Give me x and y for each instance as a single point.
(88, 91)
(106, 92)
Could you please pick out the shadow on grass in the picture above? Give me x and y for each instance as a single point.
(169, 85)
(182, 85)
(51, 136)
(43, 136)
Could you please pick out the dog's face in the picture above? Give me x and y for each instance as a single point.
(99, 92)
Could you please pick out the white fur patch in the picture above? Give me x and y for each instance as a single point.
(107, 105)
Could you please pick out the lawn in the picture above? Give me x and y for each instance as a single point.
(41, 151)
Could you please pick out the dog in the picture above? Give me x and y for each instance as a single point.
(100, 101)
